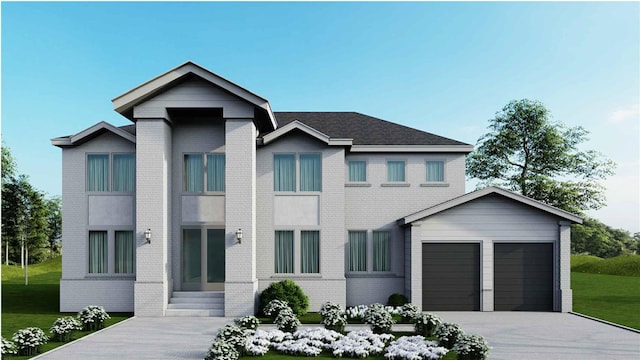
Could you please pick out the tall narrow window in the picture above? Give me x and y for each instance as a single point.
(357, 171)
(98, 172)
(381, 251)
(357, 251)
(284, 172)
(310, 172)
(395, 171)
(193, 173)
(125, 252)
(98, 255)
(435, 170)
(284, 252)
(124, 172)
(310, 251)
(215, 172)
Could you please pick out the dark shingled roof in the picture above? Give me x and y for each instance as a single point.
(363, 129)
(131, 129)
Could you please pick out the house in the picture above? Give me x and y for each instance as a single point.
(209, 196)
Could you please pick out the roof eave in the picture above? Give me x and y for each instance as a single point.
(413, 148)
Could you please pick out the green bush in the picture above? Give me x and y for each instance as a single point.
(624, 265)
(397, 300)
(288, 291)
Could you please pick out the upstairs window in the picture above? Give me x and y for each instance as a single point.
(284, 172)
(357, 171)
(124, 172)
(395, 171)
(310, 172)
(435, 171)
(98, 172)
(193, 172)
(215, 172)
(197, 172)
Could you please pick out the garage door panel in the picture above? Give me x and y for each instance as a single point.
(451, 276)
(523, 276)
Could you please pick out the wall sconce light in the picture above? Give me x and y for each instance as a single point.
(147, 235)
(239, 236)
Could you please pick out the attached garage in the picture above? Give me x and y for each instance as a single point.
(523, 277)
(451, 277)
(489, 250)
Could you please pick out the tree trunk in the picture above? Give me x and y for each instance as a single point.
(22, 255)
(6, 253)
(26, 267)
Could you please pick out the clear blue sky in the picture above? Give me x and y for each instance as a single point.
(445, 68)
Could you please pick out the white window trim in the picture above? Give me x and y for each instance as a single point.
(205, 164)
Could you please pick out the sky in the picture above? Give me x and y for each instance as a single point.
(445, 68)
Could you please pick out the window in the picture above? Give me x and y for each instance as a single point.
(357, 251)
(215, 172)
(124, 172)
(381, 253)
(193, 172)
(125, 252)
(284, 252)
(395, 171)
(435, 171)
(309, 251)
(98, 256)
(98, 172)
(357, 171)
(284, 172)
(310, 172)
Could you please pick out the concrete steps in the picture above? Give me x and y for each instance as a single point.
(196, 303)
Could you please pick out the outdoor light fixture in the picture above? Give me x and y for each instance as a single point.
(147, 235)
(239, 236)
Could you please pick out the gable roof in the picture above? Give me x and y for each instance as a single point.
(299, 126)
(126, 132)
(482, 193)
(124, 103)
(369, 133)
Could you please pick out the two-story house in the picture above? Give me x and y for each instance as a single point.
(209, 196)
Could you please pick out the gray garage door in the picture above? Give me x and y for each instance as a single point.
(450, 277)
(523, 277)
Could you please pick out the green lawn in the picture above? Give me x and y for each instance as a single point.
(37, 304)
(609, 297)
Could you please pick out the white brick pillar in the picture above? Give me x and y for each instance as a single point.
(416, 264)
(565, 293)
(241, 284)
(153, 211)
(486, 266)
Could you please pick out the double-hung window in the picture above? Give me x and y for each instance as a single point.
(98, 252)
(106, 172)
(357, 171)
(357, 251)
(284, 172)
(196, 170)
(381, 251)
(395, 171)
(435, 171)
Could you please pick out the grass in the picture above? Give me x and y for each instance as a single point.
(38, 304)
(609, 297)
(625, 265)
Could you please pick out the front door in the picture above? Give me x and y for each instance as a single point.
(203, 259)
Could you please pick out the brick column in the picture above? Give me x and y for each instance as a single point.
(153, 211)
(565, 292)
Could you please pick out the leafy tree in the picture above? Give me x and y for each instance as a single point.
(527, 153)
(8, 164)
(595, 238)
(54, 222)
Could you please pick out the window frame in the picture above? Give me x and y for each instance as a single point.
(444, 174)
(110, 174)
(299, 166)
(366, 252)
(366, 169)
(113, 155)
(115, 252)
(204, 176)
(373, 251)
(318, 253)
(295, 172)
(293, 252)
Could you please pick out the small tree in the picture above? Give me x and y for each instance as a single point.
(527, 153)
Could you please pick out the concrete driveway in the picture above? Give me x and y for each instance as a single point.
(512, 335)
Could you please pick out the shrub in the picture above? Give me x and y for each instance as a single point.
(289, 292)
(274, 307)
(8, 347)
(333, 317)
(221, 350)
(93, 317)
(425, 324)
(408, 311)
(233, 335)
(413, 348)
(248, 322)
(379, 319)
(63, 328)
(471, 347)
(397, 300)
(29, 340)
(287, 321)
(447, 334)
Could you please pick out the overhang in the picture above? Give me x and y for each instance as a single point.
(90, 133)
(297, 125)
(484, 192)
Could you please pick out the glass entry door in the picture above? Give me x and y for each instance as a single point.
(203, 259)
